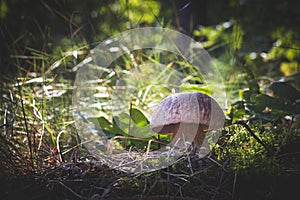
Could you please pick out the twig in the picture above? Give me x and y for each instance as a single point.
(25, 121)
(58, 146)
(10, 124)
(182, 177)
(218, 188)
(241, 122)
(190, 164)
(286, 155)
(234, 184)
(176, 16)
(73, 192)
(148, 147)
(129, 123)
(218, 164)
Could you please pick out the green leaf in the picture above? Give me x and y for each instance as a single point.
(105, 125)
(261, 101)
(293, 108)
(285, 91)
(245, 94)
(237, 36)
(138, 117)
(196, 88)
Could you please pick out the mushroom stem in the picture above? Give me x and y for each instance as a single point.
(188, 134)
(199, 138)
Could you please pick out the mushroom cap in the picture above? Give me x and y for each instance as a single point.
(188, 107)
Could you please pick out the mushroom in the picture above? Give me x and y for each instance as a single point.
(187, 116)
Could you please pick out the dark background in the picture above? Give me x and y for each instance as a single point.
(41, 25)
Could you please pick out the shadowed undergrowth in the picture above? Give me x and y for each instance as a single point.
(41, 157)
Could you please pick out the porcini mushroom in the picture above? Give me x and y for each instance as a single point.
(187, 116)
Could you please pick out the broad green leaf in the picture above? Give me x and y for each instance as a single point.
(261, 101)
(293, 108)
(105, 125)
(285, 91)
(138, 117)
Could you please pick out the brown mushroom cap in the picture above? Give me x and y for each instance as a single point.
(188, 108)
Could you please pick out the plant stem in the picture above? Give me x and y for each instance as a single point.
(241, 122)
(26, 126)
